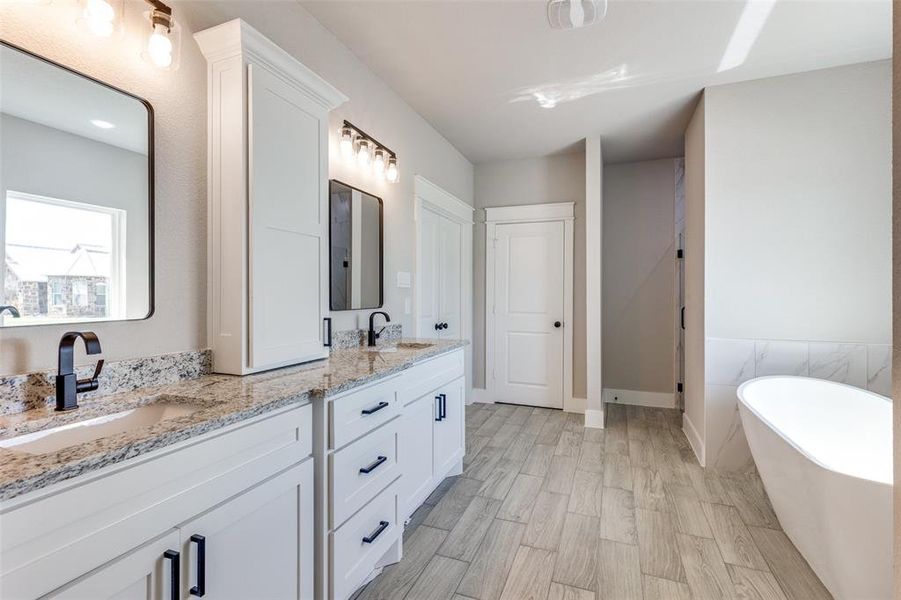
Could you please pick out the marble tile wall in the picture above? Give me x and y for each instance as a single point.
(731, 362)
(354, 338)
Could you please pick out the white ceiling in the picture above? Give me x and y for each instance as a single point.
(38, 91)
(473, 68)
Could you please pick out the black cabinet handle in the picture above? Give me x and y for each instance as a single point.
(369, 411)
(383, 525)
(328, 331)
(682, 318)
(174, 575)
(438, 407)
(444, 326)
(200, 589)
(443, 406)
(374, 465)
(437, 326)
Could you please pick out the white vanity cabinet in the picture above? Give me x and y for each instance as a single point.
(387, 446)
(268, 194)
(122, 531)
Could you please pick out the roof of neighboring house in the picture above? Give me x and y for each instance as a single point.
(36, 263)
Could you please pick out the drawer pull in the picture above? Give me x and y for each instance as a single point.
(443, 406)
(383, 525)
(369, 411)
(438, 406)
(173, 557)
(374, 465)
(200, 589)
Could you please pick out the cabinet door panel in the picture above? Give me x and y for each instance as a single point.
(449, 299)
(449, 431)
(415, 453)
(142, 574)
(429, 271)
(258, 544)
(288, 223)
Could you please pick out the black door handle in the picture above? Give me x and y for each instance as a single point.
(437, 326)
(369, 411)
(200, 589)
(173, 557)
(558, 324)
(444, 325)
(374, 465)
(443, 406)
(682, 318)
(383, 525)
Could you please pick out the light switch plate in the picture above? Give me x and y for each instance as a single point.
(404, 279)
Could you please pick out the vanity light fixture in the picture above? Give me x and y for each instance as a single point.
(163, 37)
(370, 154)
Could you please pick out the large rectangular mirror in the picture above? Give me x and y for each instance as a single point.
(76, 196)
(355, 242)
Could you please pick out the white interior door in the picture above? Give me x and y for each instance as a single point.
(450, 310)
(529, 300)
(289, 223)
(428, 288)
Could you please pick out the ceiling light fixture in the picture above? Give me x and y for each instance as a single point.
(572, 14)
(369, 153)
(753, 18)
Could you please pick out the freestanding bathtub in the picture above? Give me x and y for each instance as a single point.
(824, 453)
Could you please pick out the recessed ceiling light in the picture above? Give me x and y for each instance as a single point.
(102, 124)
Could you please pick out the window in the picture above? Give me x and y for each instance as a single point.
(74, 251)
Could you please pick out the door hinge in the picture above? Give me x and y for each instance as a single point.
(680, 253)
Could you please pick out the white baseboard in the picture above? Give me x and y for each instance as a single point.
(482, 396)
(594, 418)
(637, 398)
(694, 439)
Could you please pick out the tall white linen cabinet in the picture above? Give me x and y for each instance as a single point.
(268, 202)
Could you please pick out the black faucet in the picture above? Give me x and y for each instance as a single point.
(67, 387)
(373, 336)
(11, 310)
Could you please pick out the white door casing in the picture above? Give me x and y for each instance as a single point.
(529, 279)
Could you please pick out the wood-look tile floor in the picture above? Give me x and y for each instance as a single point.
(548, 510)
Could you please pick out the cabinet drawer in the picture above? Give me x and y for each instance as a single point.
(358, 472)
(357, 413)
(427, 376)
(353, 558)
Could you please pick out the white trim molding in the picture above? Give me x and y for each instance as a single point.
(639, 398)
(234, 38)
(594, 189)
(532, 213)
(694, 439)
(441, 201)
(594, 418)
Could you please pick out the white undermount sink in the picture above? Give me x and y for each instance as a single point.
(71, 434)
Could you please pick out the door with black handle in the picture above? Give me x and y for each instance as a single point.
(255, 545)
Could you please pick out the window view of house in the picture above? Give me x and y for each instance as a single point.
(63, 259)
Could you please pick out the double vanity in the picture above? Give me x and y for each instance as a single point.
(294, 483)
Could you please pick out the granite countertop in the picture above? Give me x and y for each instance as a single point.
(223, 400)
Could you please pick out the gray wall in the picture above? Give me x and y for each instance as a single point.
(557, 178)
(639, 276)
(799, 206)
(179, 102)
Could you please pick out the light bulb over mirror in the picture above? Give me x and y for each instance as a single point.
(98, 17)
(364, 153)
(347, 142)
(378, 163)
(391, 171)
(159, 46)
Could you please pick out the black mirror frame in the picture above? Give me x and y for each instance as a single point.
(381, 247)
(151, 204)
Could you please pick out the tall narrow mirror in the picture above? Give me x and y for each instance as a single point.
(76, 196)
(355, 219)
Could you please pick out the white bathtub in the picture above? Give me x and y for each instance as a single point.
(824, 453)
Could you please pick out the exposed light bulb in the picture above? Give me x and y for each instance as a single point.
(347, 142)
(391, 171)
(98, 17)
(364, 153)
(159, 46)
(378, 163)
